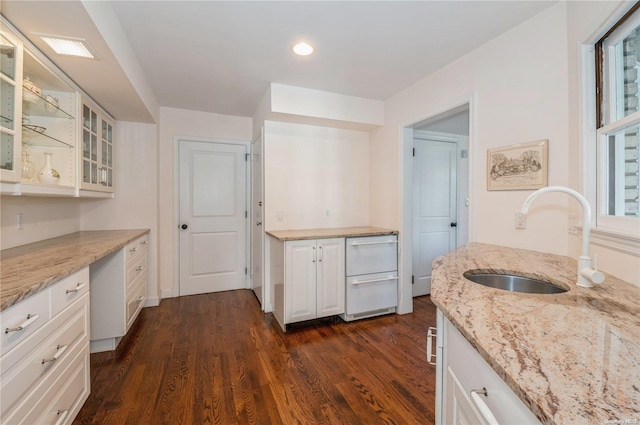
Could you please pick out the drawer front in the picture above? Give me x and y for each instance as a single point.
(372, 292)
(136, 267)
(45, 353)
(135, 300)
(58, 400)
(472, 372)
(23, 319)
(372, 254)
(68, 290)
(136, 248)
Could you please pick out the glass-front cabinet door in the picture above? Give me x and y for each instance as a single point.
(97, 150)
(10, 107)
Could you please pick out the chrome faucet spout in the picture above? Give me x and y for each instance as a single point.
(586, 274)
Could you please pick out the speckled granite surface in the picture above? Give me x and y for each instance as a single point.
(573, 358)
(334, 232)
(27, 269)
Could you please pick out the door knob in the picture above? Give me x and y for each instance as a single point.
(258, 223)
(184, 227)
(454, 224)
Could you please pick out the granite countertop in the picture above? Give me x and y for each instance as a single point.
(334, 232)
(28, 269)
(573, 358)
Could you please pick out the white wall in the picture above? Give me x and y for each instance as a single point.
(519, 81)
(42, 218)
(309, 170)
(180, 122)
(136, 196)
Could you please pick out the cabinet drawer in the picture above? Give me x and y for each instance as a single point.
(23, 319)
(472, 372)
(372, 292)
(372, 254)
(68, 290)
(136, 267)
(136, 248)
(44, 353)
(135, 300)
(56, 397)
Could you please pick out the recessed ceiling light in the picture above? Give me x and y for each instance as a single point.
(302, 49)
(69, 46)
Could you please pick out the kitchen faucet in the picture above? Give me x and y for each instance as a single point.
(586, 274)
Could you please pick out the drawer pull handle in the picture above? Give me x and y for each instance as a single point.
(431, 333)
(143, 242)
(134, 249)
(61, 349)
(139, 268)
(485, 411)
(314, 254)
(372, 243)
(63, 415)
(361, 282)
(140, 299)
(30, 319)
(78, 287)
(321, 254)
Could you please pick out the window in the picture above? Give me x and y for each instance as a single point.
(618, 120)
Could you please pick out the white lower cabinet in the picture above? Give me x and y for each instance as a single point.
(118, 292)
(308, 278)
(44, 376)
(468, 390)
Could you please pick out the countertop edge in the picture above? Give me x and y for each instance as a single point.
(325, 233)
(34, 288)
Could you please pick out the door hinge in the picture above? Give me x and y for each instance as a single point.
(245, 270)
(246, 214)
(412, 279)
(246, 156)
(414, 152)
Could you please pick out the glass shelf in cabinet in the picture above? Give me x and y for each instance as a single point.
(41, 107)
(35, 138)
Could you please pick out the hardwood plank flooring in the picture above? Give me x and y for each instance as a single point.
(218, 359)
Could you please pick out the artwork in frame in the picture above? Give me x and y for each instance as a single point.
(518, 167)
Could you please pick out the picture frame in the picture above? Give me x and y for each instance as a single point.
(523, 166)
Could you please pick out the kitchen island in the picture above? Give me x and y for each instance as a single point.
(28, 269)
(572, 358)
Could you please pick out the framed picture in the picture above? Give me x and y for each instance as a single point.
(518, 167)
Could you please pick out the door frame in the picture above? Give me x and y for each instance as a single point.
(406, 130)
(266, 293)
(176, 204)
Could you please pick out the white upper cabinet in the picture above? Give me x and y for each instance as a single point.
(10, 111)
(96, 155)
(54, 140)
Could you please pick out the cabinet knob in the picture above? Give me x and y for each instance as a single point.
(184, 227)
(258, 223)
(454, 224)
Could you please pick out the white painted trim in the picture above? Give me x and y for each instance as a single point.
(406, 135)
(175, 291)
(617, 241)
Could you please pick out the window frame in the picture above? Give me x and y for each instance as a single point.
(617, 232)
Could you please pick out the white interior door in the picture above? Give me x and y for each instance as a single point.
(257, 228)
(434, 207)
(212, 217)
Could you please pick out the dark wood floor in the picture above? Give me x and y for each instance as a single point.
(218, 359)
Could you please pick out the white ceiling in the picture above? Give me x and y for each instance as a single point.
(220, 56)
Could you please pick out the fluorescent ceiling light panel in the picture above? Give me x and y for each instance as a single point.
(69, 46)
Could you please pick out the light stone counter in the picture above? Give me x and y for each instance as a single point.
(28, 269)
(573, 358)
(334, 232)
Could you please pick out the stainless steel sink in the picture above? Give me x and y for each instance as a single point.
(513, 282)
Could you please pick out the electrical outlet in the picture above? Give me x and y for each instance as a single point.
(327, 213)
(19, 224)
(573, 224)
(521, 221)
(279, 215)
